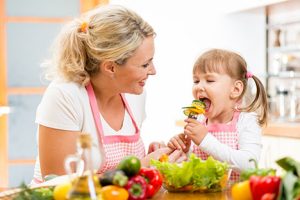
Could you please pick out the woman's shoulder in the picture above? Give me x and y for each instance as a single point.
(63, 88)
(64, 85)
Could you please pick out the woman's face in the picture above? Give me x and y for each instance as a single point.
(131, 76)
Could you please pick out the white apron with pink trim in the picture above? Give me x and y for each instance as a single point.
(226, 134)
(115, 148)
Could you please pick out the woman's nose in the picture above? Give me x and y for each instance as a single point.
(152, 70)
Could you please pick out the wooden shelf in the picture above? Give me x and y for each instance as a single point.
(283, 25)
(285, 74)
(285, 49)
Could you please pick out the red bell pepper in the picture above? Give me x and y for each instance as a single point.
(260, 186)
(153, 178)
(137, 188)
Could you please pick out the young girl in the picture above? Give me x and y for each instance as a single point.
(231, 132)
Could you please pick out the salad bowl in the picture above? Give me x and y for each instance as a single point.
(194, 175)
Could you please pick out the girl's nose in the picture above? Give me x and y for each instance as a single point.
(200, 87)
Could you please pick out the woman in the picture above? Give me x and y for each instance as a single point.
(97, 59)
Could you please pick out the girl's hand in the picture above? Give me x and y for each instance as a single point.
(195, 130)
(181, 142)
(155, 145)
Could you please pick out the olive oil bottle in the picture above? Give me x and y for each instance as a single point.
(85, 186)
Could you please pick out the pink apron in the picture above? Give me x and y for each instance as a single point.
(226, 134)
(115, 147)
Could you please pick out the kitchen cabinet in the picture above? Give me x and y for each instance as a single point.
(283, 61)
(275, 147)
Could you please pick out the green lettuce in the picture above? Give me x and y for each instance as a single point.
(197, 172)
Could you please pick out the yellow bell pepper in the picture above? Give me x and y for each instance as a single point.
(241, 191)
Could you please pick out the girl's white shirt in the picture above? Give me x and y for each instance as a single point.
(249, 139)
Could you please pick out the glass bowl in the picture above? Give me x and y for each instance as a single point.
(218, 186)
(194, 175)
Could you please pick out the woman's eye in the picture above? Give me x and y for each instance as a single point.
(146, 65)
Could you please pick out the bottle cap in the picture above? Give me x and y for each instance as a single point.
(85, 140)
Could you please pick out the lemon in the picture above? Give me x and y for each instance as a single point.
(60, 191)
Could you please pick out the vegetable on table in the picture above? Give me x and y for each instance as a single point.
(131, 165)
(245, 175)
(241, 190)
(34, 193)
(291, 180)
(114, 192)
(113, 177)
(61, 191)
(153, 178)
(137, 188)
(260, 186)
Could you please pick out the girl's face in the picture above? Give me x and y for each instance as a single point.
(215, 90)
(131, 77)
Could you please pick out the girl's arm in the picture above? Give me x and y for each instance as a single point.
(249, 140)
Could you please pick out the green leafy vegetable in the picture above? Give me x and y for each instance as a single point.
(245, 175)
(291, 180)
(206, 174)
(34, 194)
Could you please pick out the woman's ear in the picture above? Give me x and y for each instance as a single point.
(237, 89)
(108, 67)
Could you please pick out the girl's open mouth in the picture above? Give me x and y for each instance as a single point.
(207, 103)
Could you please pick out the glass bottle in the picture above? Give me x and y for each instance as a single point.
(85, 185)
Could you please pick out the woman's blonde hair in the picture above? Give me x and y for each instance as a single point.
(223, 61)
(106, 33)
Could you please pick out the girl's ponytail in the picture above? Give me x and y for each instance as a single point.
(260, 103)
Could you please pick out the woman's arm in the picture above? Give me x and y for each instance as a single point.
(54, 146)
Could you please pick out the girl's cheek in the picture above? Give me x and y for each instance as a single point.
(194, 91)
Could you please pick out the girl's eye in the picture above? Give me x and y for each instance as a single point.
(196, 81)
(210, 81)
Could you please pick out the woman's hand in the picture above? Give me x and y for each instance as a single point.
(155, 146)
(173, 156)
(180, 142)
(195, 130)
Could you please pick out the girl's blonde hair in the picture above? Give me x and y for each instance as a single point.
(220, 61)
(106, 33)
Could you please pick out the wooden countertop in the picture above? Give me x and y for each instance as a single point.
(165, 195)
(279, 129)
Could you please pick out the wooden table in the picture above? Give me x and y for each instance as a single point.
(165, 195)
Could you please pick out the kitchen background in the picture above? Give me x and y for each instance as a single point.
(266, 33)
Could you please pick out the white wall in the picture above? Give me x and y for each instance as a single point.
(185, 29)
